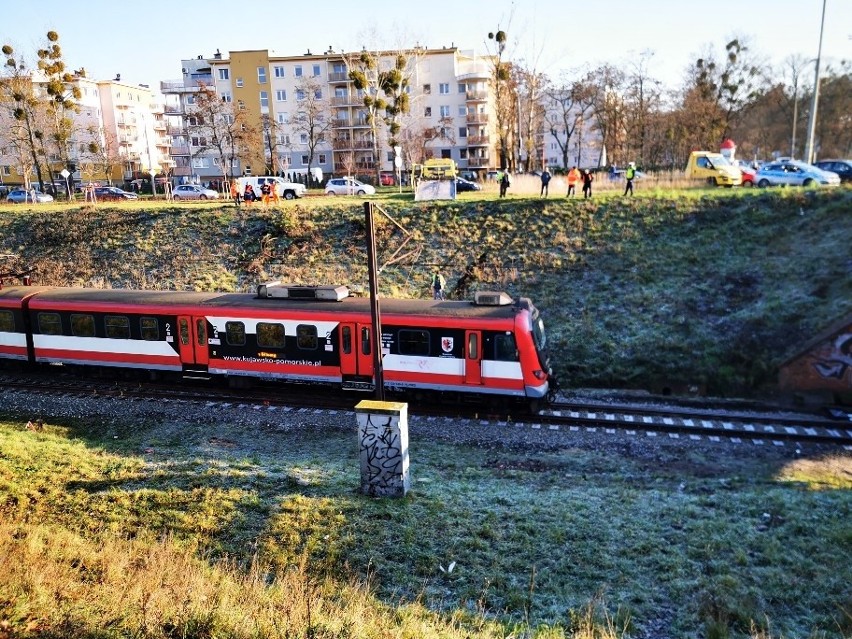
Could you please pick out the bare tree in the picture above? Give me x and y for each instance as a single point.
(61, 96)
(642, 97)
(608, 107)
(531, 116)
(215, 125)
(27, 121)
(313, 120)
(504, 102)
(570, 106)
(101, 152)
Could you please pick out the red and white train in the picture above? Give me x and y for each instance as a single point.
(493, 346)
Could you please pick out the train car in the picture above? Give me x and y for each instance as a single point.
(15, 344)
(492, 346)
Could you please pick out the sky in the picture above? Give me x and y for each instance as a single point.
(145, 41)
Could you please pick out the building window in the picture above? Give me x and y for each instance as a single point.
(281, 95)
(303, 138)
(226, 96)
(322, 158)
(278, 71)
(241, 105)
(304, 160)
(444, 88)
(200, 163)
(390, 156)
(282, 118)
(462, 87)
(445, 111)
(224, 74)
(462, 154)
(446, 154)
(7, 169)
(261, 75)
(239, 82)
(427, 89)
(462, 131)
(300, 95)
(318, 94)
(298, 71)
(316, 70)
(462, 111)
(264, 100)
(427, 112)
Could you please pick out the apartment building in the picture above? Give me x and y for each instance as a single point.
(118, 134)
(449, 115)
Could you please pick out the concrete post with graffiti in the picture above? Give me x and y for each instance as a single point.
(383, 448)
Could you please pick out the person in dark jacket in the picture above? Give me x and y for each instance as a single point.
(588, 178)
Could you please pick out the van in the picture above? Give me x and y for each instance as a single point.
(436, 169)
(713, 168)
(287, 190)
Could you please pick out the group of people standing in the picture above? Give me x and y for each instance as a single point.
(575, 176)
(268, 193)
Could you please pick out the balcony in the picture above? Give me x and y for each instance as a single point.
(478, 140)
(476, 96)
(170, 109)
(159, 125)
(179, 149)
(181, 171)
(477, 118)
(163, 142)
(338, 77)
(344, 167)
(174, 131)
(478, 163)
(353, 100)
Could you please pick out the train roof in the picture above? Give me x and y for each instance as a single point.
(249, 301)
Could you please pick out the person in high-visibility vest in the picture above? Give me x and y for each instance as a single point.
(630, 173)
(574, 179)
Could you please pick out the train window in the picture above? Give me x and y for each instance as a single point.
(270, 335)
(347, 340)
(117, 326)
(201, 331)
(365, 340)
(235, 333)
(505, 349)
(150, 328)
(473, 346)
(306, 337)
(538, 331)
(82, 325)
(184, 332)
(413, 342)
(7, 321)
(49, 324)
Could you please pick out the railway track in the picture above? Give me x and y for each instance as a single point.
(759, 427)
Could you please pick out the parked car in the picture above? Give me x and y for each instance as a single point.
(193, 192)
(466, 185)
(843, 168)
(112, 193)
(748, 172)
(348, 186)
(386, 179)
(470, 176)
(19, 196)
(794, 173)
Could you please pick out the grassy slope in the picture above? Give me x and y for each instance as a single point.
(100, 521)
(710, 288)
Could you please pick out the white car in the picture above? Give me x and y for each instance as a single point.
(193, 192)
(20, 196)
(794, 173)
(348, 186)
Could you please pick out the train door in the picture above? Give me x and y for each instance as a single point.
(192, 337)
(473, 357)
(356, 355)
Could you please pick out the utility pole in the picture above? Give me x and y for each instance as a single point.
(809, 148)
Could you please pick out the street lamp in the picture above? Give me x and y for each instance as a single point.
(809, 148)
(796, 108)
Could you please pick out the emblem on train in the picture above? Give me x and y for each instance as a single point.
(447, 344)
